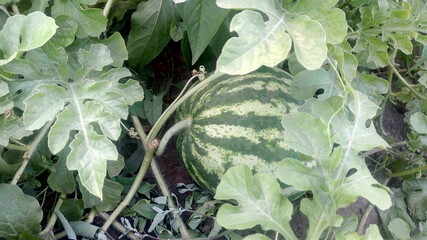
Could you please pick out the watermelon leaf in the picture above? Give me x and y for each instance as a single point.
(12, 128)
(202, 19)
(259, 202)
(333, 20)
(256, 236)
(150, 30)
(23, 33)
(371, 233)
(269, 42)
(310, 136)
(332, 129)
(419, 122)
(372, 46)
(23, 212)
(66, 32)
(82, 94)
(91, 22)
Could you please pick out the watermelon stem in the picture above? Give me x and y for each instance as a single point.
(177, 127)
(175, 104)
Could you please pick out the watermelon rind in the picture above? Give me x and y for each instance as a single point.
(236, 120)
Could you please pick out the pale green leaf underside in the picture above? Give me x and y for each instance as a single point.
(23, 212)
(333, 20)
(265, 44)
(23, 33)
(355, 136)
(4, 89)
(372, 233)
(307, 135)
(89, 155)
(86, 99)
(419, 122)
(256, 236)
(268, 43)
(66, 31)
(259, 202)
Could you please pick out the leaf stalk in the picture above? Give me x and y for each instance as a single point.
(107, 8)
(53, 217)
(177, 127)
(409, 86)
(30, 151)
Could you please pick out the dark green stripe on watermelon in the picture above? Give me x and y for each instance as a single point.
(236, 120)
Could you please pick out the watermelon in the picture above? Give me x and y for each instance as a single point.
(235, 120)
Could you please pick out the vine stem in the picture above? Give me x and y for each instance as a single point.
(53, 218)
(107, 8)
(175, 104)
(150, 150)
(405, 82)
(27, 155)
(177, 127)
(407, 172)
(139, 177)
(17, 147)
(15, 8)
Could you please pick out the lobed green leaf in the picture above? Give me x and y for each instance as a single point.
(419, 122)
(259, 202)
(80, 92)
(261, 42)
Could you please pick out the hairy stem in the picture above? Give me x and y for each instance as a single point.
(15, 8)
(168, 112)
(107, 7)
(179, 126)
(29, 152)
(139, 129)
(17, 147)
(139, 177)
(53, 217)
(409, 86)
(407, 172)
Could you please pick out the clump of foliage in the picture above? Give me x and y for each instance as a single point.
(71, 77)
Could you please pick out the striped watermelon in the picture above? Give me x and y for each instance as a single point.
(236, 120)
